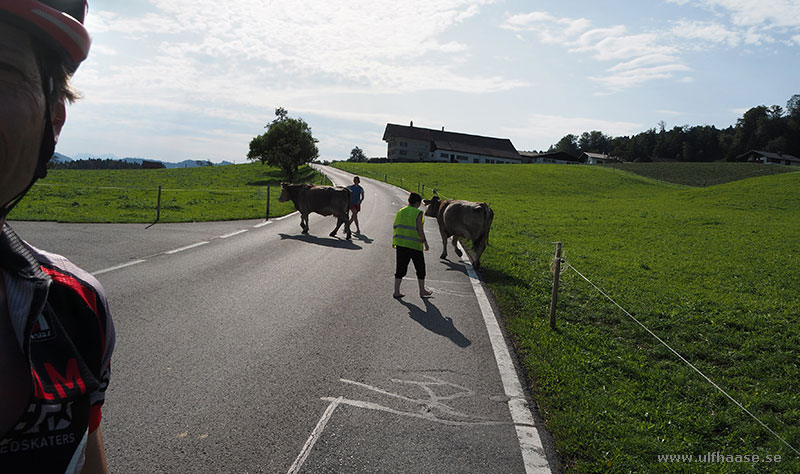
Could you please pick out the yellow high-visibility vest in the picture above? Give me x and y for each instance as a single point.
(405, 228)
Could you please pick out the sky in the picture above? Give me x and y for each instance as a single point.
(176, 79)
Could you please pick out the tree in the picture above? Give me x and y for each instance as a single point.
(568, 144)
(357, 155)
(287, 144)
(593, 142)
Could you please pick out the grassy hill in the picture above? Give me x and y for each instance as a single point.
(713, 271)
(702, 174)
(190, 194)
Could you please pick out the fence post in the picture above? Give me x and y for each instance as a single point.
(158, 206)
(423, 190)
(556, 273)
(158, 209)
(268, 190)
(385, 179)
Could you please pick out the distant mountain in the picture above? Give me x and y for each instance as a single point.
(60, 158)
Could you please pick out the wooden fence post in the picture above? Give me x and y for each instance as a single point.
(158, 206)
(556, 273)
(268, 190)
(158, 209)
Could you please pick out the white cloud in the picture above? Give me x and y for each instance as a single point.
(778, 13)
(542, 128)
(378, 43)
(706, 31)
(638, 58)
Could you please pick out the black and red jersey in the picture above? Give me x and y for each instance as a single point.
(61, 320)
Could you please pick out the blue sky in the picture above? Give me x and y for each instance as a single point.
(179, 79)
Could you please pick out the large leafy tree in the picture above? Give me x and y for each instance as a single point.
(357, 155)
(287, 144)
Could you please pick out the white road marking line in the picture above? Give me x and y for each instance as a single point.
(233, 233)
(287, 215)
(258, 226)
(118, 267)
(169, 252)
(301, 458)
(530, 443)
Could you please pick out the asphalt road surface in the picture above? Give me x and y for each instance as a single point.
(244, 347)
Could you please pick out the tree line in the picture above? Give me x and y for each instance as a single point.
(94, 164)
(772, 129)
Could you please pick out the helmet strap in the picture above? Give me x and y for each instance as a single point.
(46, 150)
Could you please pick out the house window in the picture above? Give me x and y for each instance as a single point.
(476, 160)
(461, 157)
(403, 152)
(404, 144)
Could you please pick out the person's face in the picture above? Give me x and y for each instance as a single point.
(22, 109)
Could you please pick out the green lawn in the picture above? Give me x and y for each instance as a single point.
(187, 195)
(713, 271)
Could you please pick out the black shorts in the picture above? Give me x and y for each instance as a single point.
(404, 255)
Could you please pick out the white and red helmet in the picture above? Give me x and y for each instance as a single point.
(59, 23)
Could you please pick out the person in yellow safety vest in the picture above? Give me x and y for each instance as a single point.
(409, 240)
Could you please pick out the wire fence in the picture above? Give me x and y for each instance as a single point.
(560, 259)
(168, 202)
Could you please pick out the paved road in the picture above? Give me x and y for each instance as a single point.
(256, 349)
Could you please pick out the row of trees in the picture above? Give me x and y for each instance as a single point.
(94, 164)
(763, 128)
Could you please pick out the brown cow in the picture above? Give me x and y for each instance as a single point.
(324, 200)
(467, 219)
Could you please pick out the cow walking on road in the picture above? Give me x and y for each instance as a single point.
(324, 200)
(467, 219)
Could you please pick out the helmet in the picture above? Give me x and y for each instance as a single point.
(59, 23)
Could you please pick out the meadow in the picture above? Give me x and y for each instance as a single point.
(129, 196)
(714, 271)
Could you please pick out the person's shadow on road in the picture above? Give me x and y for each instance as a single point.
(431, 319)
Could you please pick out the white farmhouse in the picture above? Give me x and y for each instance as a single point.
(415, 144)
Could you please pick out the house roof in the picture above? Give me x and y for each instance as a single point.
(767, 154)
(597, 155)
(554, 155)
(453, 141)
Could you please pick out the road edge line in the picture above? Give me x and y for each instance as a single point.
(530, 442)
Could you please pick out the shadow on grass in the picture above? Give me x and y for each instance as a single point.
(495, 276)
(431, 319)
(305, 174)
(324, 241)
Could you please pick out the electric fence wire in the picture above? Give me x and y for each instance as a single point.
(684, 360)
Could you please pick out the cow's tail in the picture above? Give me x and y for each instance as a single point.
(488, 214)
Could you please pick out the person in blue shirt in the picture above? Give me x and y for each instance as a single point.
(357, 193)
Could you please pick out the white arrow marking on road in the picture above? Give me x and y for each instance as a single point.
(301, 458)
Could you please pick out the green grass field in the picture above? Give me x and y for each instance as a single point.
(713, 271)
(701, 174)
(187, 195)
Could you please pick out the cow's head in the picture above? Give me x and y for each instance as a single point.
(433, 206)
(285, 195)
